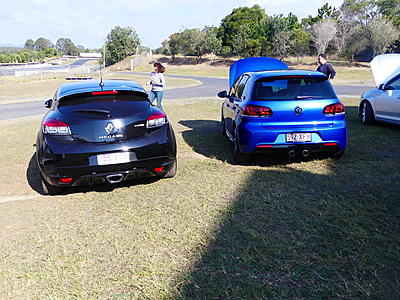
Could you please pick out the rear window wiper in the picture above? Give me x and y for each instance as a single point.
(93, 111)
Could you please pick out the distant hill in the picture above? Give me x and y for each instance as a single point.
(9, 49)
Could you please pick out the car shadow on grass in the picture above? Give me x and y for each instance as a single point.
(206, 138)
(292, 233)
(34, 181)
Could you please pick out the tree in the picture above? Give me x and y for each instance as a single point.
(67, 47)
(362, 10)
(382, 33)
(322, 33)
(300, 42)
(121, 42)
(251, 18)
(356, 42)
(344, 28)
(29, 44)
(43, 44)
(212, 42)
(324, 12)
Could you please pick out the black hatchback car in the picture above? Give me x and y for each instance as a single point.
(103, 131)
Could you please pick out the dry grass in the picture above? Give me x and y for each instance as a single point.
(315, 229)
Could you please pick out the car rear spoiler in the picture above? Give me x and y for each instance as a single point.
(254, 64)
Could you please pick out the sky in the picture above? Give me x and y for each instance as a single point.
(87, 22)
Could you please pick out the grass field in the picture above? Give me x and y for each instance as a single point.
(276, 229)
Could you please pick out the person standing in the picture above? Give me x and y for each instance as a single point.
(157, 82)
(325, 67)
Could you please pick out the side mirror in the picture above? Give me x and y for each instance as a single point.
(381, 87)
(48, 103)
(223, 94)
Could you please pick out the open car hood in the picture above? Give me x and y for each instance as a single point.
(384, 67)
(254, 64)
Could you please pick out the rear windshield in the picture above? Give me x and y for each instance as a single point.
(293, 87)
(117, 105)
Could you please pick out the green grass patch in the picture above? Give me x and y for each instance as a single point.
(276, 229)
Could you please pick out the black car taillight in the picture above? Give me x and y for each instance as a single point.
(257, 110)
(334, 109)
(56, 127)
(157, 119)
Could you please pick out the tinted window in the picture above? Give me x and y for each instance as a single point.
(241, 85)
(118, 105)
(292, 87)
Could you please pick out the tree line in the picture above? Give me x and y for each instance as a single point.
(357, 29)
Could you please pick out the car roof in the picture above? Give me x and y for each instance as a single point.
(276, 73)
(78, 87)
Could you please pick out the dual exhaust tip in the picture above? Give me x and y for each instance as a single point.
(304, 153)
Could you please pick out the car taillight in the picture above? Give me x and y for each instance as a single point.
(333, 109)
(56, 127)
(257, 110)
(156, 120)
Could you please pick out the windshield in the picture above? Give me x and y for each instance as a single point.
(293, 87)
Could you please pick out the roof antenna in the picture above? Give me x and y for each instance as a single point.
(101, 81)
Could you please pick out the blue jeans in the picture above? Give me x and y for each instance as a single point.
(158, 95)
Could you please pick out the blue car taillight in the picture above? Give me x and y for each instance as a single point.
(334, 109)
(56, 127)
(257, 111)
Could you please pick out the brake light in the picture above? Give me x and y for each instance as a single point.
(56, 127)
(104, 93)
(156, 120)
(333, 109)
(330, 144)
(257, 110)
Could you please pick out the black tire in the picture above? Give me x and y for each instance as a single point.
(238, 156)
(223, 127)
(172, 172)
(367, 113)
(49, 189)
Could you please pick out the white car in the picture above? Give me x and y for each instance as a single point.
(383, 102)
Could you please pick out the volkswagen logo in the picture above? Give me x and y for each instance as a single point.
(110, 128)
(298, 111)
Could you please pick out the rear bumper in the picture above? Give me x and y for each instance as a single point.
(255, 139)
(78, 160)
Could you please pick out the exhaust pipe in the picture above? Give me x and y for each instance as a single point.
(115, 178)
(292, 153)
(305, 153)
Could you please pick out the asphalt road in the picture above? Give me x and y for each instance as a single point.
(209, 88)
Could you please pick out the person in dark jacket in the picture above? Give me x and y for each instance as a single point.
(325, 67)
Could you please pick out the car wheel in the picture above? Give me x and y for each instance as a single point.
(172, 172)
(238, 156)
(223, 127)
(367, 113)
(49, 189)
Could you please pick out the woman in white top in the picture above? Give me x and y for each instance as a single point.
(157, 82)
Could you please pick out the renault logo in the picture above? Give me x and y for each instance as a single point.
(109, 128)
(298, 111)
